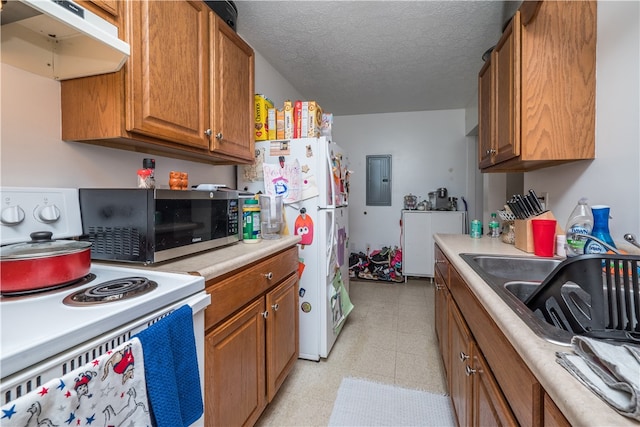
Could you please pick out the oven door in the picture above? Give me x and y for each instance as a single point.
(30, 378)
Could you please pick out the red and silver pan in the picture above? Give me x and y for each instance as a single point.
(43, 263)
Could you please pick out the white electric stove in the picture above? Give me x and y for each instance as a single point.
(46, 334)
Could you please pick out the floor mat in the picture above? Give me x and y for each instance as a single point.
(366, 403)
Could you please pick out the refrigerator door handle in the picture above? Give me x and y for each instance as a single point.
(332, 185)
(331, 240)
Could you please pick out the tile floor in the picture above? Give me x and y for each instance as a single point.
(388, 338)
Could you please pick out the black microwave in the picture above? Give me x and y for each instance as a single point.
(154, 225)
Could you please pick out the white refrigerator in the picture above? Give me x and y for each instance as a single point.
(312, 176)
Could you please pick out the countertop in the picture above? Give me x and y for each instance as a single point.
(216, 262)
(578, 404)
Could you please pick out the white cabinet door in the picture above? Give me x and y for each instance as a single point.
(417, 243)
(418, 228)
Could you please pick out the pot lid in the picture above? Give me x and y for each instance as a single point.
(42, 246)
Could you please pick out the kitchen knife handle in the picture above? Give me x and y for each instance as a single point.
(536, 200)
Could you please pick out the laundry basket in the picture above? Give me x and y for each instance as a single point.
(591, 294)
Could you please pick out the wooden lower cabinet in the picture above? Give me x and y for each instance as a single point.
(250, 351)
(490, 407)
(489, 383)
(459, 361)
(442, 318)
(552, 415)
(235, 369)
(282, 334)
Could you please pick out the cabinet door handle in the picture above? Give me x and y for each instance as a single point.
(265, 314)
(439, 287)
(275, 307)
(268, 275)
(440, 261)
(208, 132)
(463, 356)
(219, 136)
(468, 370)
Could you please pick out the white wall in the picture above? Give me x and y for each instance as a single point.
(613, 178)
(32, 153)
(271, 84)
(429, 150)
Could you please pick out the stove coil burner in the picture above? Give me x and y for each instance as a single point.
(15, 295)
(111, 291)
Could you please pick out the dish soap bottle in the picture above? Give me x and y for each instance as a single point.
(600, 230)
(580, 221)
(494, 226)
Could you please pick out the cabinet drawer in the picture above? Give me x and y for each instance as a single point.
(520, 387)
(230, 294)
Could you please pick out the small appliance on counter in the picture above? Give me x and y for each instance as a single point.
(438, 200)
(147, 226)
(410, 202)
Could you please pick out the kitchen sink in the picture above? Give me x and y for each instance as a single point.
(596, 295)
(516, 268)
(521, 290)
(514, 279)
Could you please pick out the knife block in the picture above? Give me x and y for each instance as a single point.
(524, 231)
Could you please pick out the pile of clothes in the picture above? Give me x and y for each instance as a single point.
(384, 264)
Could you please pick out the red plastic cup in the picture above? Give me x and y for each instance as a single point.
(544, 236)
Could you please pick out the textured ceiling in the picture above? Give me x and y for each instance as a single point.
(363, 57)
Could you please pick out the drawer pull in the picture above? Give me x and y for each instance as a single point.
(463, 356)
(275, 307)
(469, 370)
(269, 275)
(441, 261)
(265, 314)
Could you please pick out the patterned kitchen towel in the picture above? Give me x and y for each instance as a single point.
(171, 369)
(110, 390)
(611, 371)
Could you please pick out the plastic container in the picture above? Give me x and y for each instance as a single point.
(561, 243)
(580, 221)
(600, 230)
(494, 226)
(146, 175)
(251, 221)
(270, 217)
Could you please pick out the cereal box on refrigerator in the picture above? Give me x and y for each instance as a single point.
(315, 120)
(280, 124)
(288, 119)
(271, 121)
(262, 105)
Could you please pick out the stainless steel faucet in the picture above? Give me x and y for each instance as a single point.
(595, 239)
(631, 239)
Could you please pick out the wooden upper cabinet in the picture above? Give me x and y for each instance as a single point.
(559, 82)
(506, 66)
(542, 95)
(188, 80)
(168, 74)
(485, 111)
(232, 82)
(106, 9)
(110, 6)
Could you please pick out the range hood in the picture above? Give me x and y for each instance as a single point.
(59, 39)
